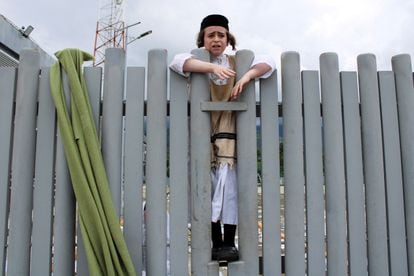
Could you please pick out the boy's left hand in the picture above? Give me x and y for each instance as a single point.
(254, 72)
(239, 86)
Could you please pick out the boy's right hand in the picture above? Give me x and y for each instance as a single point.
(223, 72)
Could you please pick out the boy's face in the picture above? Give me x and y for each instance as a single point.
(215, 39)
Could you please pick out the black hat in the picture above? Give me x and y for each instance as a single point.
(214, 20)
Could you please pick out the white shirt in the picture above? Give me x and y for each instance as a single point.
(178, 62)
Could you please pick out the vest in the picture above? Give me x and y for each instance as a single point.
(223, 124)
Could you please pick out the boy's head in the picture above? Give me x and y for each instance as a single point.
(215, 20)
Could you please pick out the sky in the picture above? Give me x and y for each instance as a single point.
(310, 27)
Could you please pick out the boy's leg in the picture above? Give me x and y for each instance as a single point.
(229, 234)
(229, 250)
(216, 238)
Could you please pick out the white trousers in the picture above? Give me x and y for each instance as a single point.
(224, 194)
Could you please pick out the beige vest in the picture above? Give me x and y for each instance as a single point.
(223, 124)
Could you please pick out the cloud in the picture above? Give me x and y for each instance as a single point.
(310, 27)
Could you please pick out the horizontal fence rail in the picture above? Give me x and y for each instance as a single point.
(325, 168)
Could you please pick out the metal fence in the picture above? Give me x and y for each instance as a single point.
(348, 169)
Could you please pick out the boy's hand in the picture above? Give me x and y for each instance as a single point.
(223, 72)
(254, 72)
(239, 86)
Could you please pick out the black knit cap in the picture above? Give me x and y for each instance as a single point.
(214, 20)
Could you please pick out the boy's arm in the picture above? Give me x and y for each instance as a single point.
(256, 71)
(199, 66)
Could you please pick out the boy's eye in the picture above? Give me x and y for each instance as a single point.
(220, 35)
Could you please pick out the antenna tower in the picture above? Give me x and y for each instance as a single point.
(110, 29)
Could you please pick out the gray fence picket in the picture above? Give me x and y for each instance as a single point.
(65, 205)
(41, 257)
(93, 79)
(269, 126)
(134, 164)
(200, 175)
(373, 166)
(315, 200)
(393, 175)
(333, 165)
(156, 171)
(18, 251)
(112, 121)
(179, 175)
(357, 243)
(7, 80)
(401, 65)
(247, 172)
(293, 164)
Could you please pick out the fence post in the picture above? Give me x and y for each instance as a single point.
(113, 94)
(65, 205)
(18, 262)
(373, 166)
(134, 164)
(401, 65)
(315, 201)
(269, 128)
(247, 172)
(357, 246)
(397, 243)
(200, 174)
(179, 174)
(93, 79)
(334, 167)
(41, 260)
(293, 164)
(156, 170)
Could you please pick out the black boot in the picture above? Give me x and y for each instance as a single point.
(229, 251)
(217, 239)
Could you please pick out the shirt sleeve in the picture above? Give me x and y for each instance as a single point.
(265, 59)
(177, 63)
